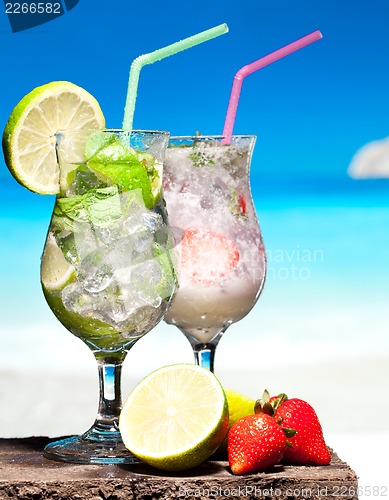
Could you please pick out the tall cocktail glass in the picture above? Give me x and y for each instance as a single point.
(222, 262)
(106, 270)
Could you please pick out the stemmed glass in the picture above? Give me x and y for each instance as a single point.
(106, 270)
(222, 262)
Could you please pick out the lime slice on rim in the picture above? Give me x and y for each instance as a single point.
(175, 418)
(29, 136)
(56, 272)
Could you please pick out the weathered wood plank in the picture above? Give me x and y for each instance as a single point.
(26, 474)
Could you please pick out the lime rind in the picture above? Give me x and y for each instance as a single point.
(168, 266)
(94, 332)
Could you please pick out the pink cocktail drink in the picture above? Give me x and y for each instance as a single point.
(222, 263)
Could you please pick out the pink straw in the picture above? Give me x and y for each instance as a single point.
(254, 66)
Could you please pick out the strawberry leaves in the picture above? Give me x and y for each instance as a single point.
(269, 405)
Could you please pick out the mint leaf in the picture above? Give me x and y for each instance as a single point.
(103, 206)
(71, 208)
(201, 159)
(100, 207)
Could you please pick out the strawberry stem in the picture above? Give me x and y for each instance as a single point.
(269, 405)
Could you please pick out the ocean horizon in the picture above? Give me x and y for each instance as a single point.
(326, 241)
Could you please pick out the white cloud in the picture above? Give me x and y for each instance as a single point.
(371, 161)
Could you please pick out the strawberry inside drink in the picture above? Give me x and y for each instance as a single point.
(206, 256)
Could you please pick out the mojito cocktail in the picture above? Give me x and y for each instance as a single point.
(106, 268)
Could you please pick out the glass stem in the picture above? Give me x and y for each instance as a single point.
(204, 355)
(110, 398)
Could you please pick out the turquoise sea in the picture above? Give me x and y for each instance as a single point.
(327, 288)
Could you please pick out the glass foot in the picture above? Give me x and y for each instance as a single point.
(90, 449)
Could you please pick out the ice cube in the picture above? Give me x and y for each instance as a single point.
(84, 239)
(132, 205)
(143, 228)
(117, 313)
(145, 278)
(81, 180)
(133, 222)
(146, 317)
(143, 241)
(94, 273)
(119, 255)
(108, 235)
(76, 300)
(120, 305)
(123, 277)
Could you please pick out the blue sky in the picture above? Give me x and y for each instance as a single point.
(311, 111)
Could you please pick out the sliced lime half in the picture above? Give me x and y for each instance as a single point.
(176, 417)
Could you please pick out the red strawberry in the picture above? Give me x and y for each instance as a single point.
(255, 444)
(206, 256)
(242, 204)
(307, 446)
(238, 204)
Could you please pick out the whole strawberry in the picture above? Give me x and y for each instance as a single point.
(307, 445)
(255, 444)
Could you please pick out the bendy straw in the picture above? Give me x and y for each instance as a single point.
(157, 55)
(255, 66)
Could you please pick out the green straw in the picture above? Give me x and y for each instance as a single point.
(157, 55)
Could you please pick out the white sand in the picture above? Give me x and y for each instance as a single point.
(343, 394)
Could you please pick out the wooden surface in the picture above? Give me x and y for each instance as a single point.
(26, 474)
